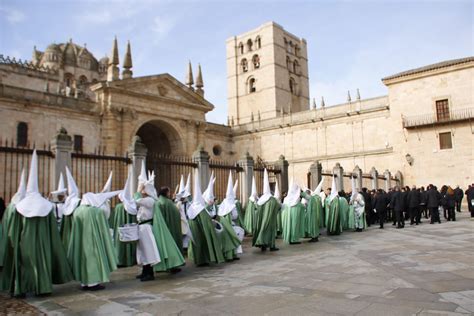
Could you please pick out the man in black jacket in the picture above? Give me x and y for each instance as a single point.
(458, 195)
(470, 199)
(413, 199)
(423, 208)
(433, 202)
(396, 203)
(381, 200)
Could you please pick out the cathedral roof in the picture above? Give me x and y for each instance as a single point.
(443, 64)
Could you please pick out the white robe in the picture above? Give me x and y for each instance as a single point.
(359, 209)
(185, 230)
(147, 250)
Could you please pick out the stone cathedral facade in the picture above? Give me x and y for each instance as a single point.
(423, 128)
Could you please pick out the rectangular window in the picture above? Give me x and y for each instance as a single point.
(22, 134)
(77, 142)
(445, 141)
(442, 110)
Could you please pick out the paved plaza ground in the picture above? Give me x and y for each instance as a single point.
(422, 270)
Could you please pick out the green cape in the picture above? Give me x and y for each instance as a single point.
(266, 224)
(172, 219)
(344, 212)
(229, 239)
(334, 217)
(313, 215)
(126, 251)
(206, 247)
(249, 218)
(293, 220)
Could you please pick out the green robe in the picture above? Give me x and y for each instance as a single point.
(240, 219)
(126, 251)
(351, 218)
(6, 222)
(312, 215)
(266, 224)
(344, 212)
(229, 240)
(172, 219)
(334, 217)
(34, 255)
(65, 230)
(170, 254)
(2, 242)
(91, 251)
(206, 247)
(293, 221)
(249, 219)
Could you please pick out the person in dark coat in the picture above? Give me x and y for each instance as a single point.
(470, 199)
(404, 193)
(433, 202)
(396, 203)
(458, 195)
(368, 206)
(423, 208)
(450, 204)
(443, 201)
(413, 201)
(380, 203)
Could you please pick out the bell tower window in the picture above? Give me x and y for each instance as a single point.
(249, 45)
(256, 61)
(252, 85)
(244, 65)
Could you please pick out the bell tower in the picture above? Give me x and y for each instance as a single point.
(267, 74)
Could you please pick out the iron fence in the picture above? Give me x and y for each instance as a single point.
(221, 170)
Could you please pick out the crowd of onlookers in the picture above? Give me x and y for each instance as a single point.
(401, 204)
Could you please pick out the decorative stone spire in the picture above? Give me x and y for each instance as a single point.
(314, 104)
(322, 102)
(189, 76)
(199, 82)
(113, 71)
(358, 94)
(127, 63)
(348, 96)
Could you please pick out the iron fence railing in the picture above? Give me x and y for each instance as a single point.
(432, 118)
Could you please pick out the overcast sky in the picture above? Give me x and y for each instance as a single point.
(351, 44)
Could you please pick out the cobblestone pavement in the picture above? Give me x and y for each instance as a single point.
(10, 306)
(419, 270)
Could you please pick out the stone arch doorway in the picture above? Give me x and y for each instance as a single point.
(160, 138)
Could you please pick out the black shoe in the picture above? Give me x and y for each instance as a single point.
(295, 243)
(174, 270)
(139, 276)
(274, 249)
(97, 287)
(264, 248)
(149, 277)
(18, 296)
(314, 239)
(381, 227)
(394, 224)
(432, 223)
(203, 265)
(236, 258)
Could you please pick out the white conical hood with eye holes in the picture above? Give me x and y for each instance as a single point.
(61, 187)
(318, 188)
(21, 192)
(180, 193)
(354, 190)
(73, 197)
(294, 194)
(208, 195)
(126, 197)
(267, 193)
(228, 204)
(149, 186)
(333, 189)
(142, 178)
(108, 184)
(277, 194)
(187, 188)
(34, 205)
(253, 194)
(236, 186)
(198, 204)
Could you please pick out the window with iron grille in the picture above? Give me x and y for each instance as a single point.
(445, 141)
(22, 134)
(78, 142)
(442, 110)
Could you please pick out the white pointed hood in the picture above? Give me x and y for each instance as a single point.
(21, 192)
(208, 195)
(142, 178)
(294, 194)
(149, 186)
(126, 196)
(253, 194)
(236, 186)
(267, 193)
(318, 188)
(198, 204)
(354, 190)
(228, 204)
(108, 184)
(180, 192)
(34, 205)
(61, 187)
(98, 199)
(73, 197)
(333, 189)
(277, 194)
(187, 188)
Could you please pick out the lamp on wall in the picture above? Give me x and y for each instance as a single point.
(409, 159)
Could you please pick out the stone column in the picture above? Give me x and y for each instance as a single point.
(137, 152)
(201, 158)
(316, 170)
(388, 179)
(357, 172)
(61, 146)
(399, 177)
(283, 164)
(339, 172)
(375, 178)
(247, 164)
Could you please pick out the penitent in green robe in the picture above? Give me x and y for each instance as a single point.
(6, 222)
(312, 215)
(91, 251)
(206, 247)
(2, 242)
(65, 230)
(293, 221)
(170, 254)
(229, 240)
(126, 251)
(351, 218)
(334, 217)
(240, 219)
(249, 217)
(266, 224)
(344, 212)
(172, 219)
(34, 255)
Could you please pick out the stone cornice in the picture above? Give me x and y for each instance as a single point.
(364, 153)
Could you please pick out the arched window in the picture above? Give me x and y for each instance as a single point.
(249, 45)
(241, 48)
(22, 134)
(288, 63)
(290, 47)
(69, 79)
(258, 42)
(295, 67)
(252, 85)
(297, 48)
(256, 61)
(244, 64)
(82, 80)
(293, 89)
